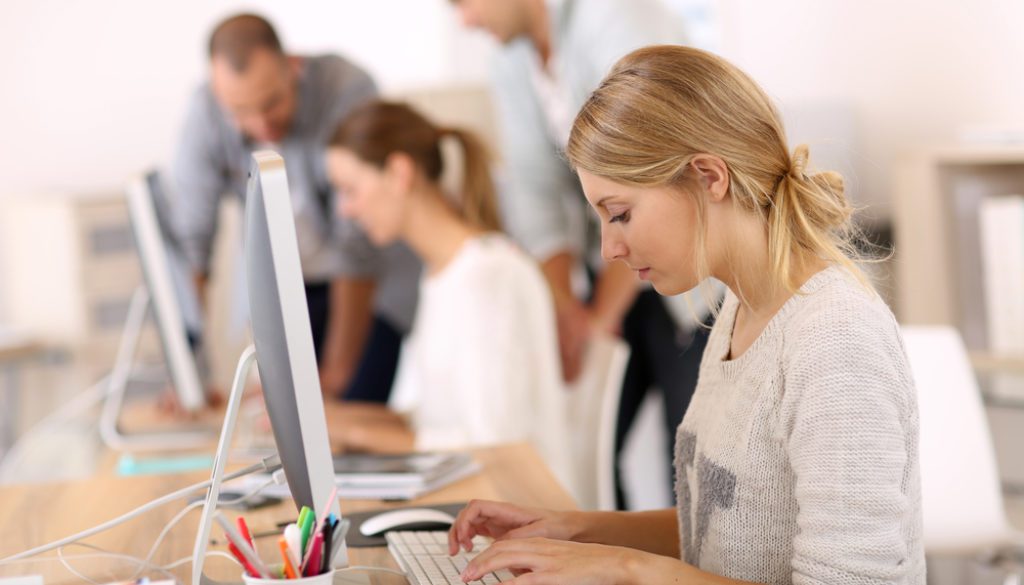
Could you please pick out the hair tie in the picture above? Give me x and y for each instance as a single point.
(798, 163)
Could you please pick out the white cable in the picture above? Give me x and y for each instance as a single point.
(109, 554)
(163, 534)
(70, 569)
(177, 518)
(269, 464)
(105, 554)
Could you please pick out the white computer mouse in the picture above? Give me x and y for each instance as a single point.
(406, 519)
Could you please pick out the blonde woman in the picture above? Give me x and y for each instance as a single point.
(482, 354)
(797, 460)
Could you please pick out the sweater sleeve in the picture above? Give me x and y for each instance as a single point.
(852, 442)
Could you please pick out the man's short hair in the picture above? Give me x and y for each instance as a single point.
(237, 37)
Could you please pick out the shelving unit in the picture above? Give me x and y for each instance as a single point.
(70, 269)
(938, 252)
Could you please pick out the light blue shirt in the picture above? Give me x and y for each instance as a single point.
(543, 203)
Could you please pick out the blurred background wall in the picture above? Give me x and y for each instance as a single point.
(94, 91)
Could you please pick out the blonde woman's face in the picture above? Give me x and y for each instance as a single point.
(652, 229)
(367, 195)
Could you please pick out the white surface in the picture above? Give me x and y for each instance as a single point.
(914, 72)
(1002, 255)
(646, 475)
(12, 337)
(961, 494)
(399, 519)
(78, 77)
(593, 413)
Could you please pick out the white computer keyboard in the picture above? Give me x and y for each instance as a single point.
(424, 558)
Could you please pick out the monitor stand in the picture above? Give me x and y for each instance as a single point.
(245, 362)
(120, 376)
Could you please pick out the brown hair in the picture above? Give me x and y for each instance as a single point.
(236, 38)
(377, 129)
(662, 105)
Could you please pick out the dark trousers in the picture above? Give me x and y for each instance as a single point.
(376, 369)
(663, 358)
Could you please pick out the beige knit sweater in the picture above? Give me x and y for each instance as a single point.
(797, 462)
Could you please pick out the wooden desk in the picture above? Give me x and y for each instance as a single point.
(32, 515)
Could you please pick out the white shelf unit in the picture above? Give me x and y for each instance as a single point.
(70, 269)
(938, 251)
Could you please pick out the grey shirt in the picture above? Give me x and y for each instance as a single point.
(213, 161)
(797, 462)
(543, 203)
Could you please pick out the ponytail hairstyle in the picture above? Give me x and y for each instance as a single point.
(661, 106)
(377, 129)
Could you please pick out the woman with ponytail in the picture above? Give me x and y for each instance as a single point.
(482, 356)
(797, 460)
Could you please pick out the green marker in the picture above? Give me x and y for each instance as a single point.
(306, 522)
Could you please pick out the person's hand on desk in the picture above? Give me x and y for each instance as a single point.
(168, 403)
(367, 427)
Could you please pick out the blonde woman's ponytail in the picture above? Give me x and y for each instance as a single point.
(809, 213)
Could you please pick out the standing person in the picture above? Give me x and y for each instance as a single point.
(555, 53)
(361, 298)
(483, 352)
(797, 461)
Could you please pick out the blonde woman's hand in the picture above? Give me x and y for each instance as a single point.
(504, 521)
(542, 561)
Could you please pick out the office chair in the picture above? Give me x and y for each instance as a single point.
(593, 406)
(962, 499)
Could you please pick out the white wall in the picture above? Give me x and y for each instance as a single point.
(93, 92)
(913, 72)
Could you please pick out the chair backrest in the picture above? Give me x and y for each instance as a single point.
(593, 406)
(962, 497)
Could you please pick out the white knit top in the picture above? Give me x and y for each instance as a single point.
(481, 365)
(797, 462)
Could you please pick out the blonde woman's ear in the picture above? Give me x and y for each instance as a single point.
(712, 174)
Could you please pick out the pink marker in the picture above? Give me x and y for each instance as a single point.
(312, 566)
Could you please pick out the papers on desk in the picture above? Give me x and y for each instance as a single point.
(386, 477)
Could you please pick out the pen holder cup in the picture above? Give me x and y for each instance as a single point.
(278, 578)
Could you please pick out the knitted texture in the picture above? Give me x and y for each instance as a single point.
(797, 462)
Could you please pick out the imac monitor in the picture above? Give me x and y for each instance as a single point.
(283, 337)
(173, 300)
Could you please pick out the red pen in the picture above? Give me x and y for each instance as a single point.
(249, 569)
(243, 528)
(313, 563)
